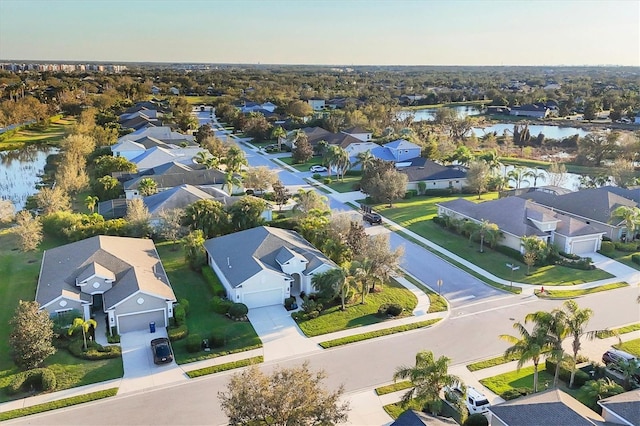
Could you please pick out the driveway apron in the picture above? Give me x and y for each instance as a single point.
(281, 337)
(140, 373)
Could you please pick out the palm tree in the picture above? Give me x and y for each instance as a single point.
(235, 159)
(365, 160)
(364, 271)
(518, 175)
(554, 326)
(332, 282)
(631, 218)
(629, 368)
(80, 323)
(231, 179)
(577, 320)
(428, 377)
(91, 202)
(529, 347)
(535, 174)
(487, 231)
(147, 186)
(278, 133)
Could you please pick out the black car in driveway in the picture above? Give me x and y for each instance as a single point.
(372, 218)
(161, 351)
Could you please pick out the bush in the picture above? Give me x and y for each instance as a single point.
(115, 338)
(289, 301)
(238, 310)
(569, 255)
(607, 247)
(584, 263)
(194, 342)
(635, 258)
(310, 305)
(394, 309)
(626, 247)
(185, 304)
(220, 306)
(180, 314)
(515, 393)
(214, 284)
(476, 419)
(382, 310)
(216, 340)
(178, 332)
(565, 373)
(410, 194)
(40, 378)
(317, 176)
(94, 350)
(513, 253)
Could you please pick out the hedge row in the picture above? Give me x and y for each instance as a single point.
(214, 284)
(565, 373)
(224, 367)
(635, 258)
(94, 350)
(379, 333)
(42, 378)
(178, 332)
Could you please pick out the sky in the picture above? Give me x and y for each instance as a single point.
(324, 32)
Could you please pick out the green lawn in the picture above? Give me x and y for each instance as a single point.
(346, 184)
(188, 284)
(416, 213)
(50, 136)
(632, 346)
(357, 315)
(488, 363)
(517, 379)
(394, 387)
(304, 167)
(623, 257)
(622, 330)
(377, 333)
(566, 294)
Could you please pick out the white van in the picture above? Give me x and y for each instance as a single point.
(476, 401)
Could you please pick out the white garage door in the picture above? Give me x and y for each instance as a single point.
(140, 321)
(263, 298)
(584, 247)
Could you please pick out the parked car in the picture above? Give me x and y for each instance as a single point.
(372, 218)
(161, 349)
(615, 355)
(317, 169)
(475, 401)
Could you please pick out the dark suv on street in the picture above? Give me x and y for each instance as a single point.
(372, 218)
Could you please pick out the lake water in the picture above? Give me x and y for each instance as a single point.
(571, 180)
(550, 132)
(429, 114)
(20, 173)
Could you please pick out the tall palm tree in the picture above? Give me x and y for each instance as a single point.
(235, 159)
(80, 323)
(535, 174)
(364, 272)
(90, 201)
(518, 176)
(428, 377)
(631, 218)
(577, 320)
(342, 162)
(231, 180)
(554, 326)
(528, 347)
(487, 231)
(278, 133)
(365, 160)
(332, 282)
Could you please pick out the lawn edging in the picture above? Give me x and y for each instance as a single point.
(620, 330)
(569, 294)
(491, 362)
(224, 367)
(393, 387)
(54, 405)
(378, 333)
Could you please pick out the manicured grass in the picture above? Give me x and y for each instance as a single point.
(346, 184)
(72, 372)
(632, 346)
(395, 387)
(394, 410)
(224, 367)
(54, 405)
(437, 303)
(566, 294)
(488, 363)
(517, 379)
(416, 213)
(52, 135)
(379, 333)
(190, 285)
(358, 315)
(313, 161)
(623, 257)
(621, 330)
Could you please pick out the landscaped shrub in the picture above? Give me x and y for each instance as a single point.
(565, 373)
(289, 301)
(382, 310)
(512, 253)
(194, 343)
(476, 419)
(185, 304)
(214, 284)
(635, 258)
(115, 338)
(569, 255)
(627, 247)
(317, 176)
(178, 332)
(180, 314)
(607, 247)
(220, 306)
(94, 350)
(238, 310)
(327, 181)
(40, 378)
(217, 339)
(584, 263)
(515, 393)
(410, 194)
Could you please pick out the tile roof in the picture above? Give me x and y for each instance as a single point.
(249, 252)
(550, 408)
(133, 262)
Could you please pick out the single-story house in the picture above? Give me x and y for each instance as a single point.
(117, 276)
(622, 409)
(262, 266)
(158, 156)
(434, 175)
(592, 206)
(550, 407)
(163, 133)
(530, 110)
(517, 218)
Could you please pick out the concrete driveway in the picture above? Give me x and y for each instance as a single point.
(140, 373)
(281, 337)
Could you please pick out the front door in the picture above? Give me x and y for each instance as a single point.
(96, 305)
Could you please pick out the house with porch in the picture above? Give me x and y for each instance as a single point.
(517, 218)
(262, 266)
(119, 278)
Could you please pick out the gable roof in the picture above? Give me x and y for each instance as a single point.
(401, 144)
(632, 193)
(430, 170)
(127, 145)
(177, 177)
(625, 405)
(243, 254)
(157, 156)
(355, 130)
(418, 418)
(175, 198)
(551, 407)
(133, 262)
(595, 203)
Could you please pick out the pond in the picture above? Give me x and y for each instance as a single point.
(429, 114)
(570, 180)
(21, 172)
(550, 132)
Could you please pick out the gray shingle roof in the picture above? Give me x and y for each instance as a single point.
(625, 405)
(190, 177)
(250, 251)
(177, 197)
(431, 171)
(133, 262)
(550, 408)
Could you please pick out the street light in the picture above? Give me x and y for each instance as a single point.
(513, 268)
(439, 283)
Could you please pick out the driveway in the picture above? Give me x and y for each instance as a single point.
(281, 337)
(620, 270)
(140, 373)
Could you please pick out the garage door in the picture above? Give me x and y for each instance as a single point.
(263, 298)
(140, 321)
(584, 247)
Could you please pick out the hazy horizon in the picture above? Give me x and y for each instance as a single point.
(324, 33)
